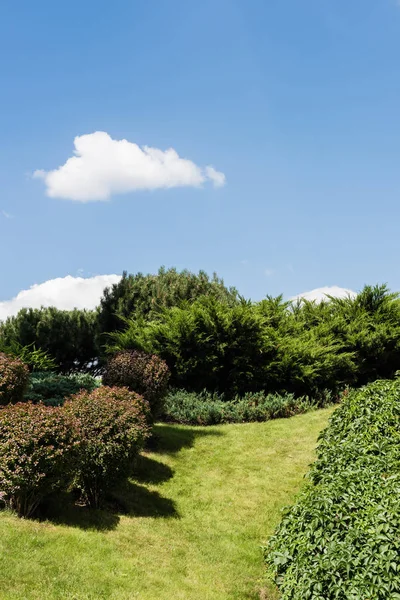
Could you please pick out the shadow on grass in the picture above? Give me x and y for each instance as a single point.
(147, 470)
(132, 498)
(169, 439)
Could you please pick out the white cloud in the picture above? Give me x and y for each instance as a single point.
(7, 215)
(215, 176)
(268, 272)
(103, 166)
(64, 293)
(320, 294)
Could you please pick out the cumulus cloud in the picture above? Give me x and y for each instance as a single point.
(320, 294)
(103, 167)
(64, 293)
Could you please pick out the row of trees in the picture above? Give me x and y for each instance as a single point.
(76, 340)
(213, 339)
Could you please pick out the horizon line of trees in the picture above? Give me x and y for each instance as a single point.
(214, 339)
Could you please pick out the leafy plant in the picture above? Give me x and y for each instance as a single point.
(36, 454)
(342, 537)
(35, 359)
(13, 379)
(110, 426)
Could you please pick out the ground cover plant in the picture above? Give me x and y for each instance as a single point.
(207, 408)
(52, 388)
(342, 537)
(189, 526)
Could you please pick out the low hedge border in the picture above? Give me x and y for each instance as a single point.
(342, 537)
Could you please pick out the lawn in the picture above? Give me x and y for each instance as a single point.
(190, 525)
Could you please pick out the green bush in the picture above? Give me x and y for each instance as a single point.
(13, 379)
(52, 388)
(110, 426)
(190, 408)
(36, 454)
(342, 537)
(143, 373)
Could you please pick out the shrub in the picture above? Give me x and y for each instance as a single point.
(143, 373)
(36, 454)
(52, 388)
(342, 537)
(209, 409)
(110, 425)
(13, 379)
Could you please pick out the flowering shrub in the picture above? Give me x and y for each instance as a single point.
(110, 425)
(13, 379)
(143, 373)
(36, 454)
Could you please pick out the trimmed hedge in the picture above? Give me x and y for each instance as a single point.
(13, 379)
(190, 408)
(36, 454)
(341, 540)
(143, 373)
(52, 388)
(111, 428)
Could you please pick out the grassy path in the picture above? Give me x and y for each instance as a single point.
(191, 525)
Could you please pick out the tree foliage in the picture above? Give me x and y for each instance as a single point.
(68, 337)
(142, 295)
(301, 348)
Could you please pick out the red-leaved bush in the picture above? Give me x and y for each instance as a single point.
(143, 373)
(36, 454)
(111, 426)
(14, 375)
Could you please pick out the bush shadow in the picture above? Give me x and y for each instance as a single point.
(132, 498)
(147, 470)
(170, 439)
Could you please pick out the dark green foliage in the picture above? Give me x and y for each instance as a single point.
(66, 336)
(207, 345)
(145, 295)
(110, 426)
(143, 373)
(190, 408)
(53, 388)
(13, 379)
(36, 454)
(300, 348)
(342, 538)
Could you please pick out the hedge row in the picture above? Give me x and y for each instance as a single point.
(189, 408)
(342, 537)
(89, 444)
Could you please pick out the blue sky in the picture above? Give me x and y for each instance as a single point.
(296, 103)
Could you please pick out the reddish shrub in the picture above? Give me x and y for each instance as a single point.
(14, 375)
(143, 373)
(36, 454)
(111, 427)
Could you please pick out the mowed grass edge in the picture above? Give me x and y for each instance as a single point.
(189, 526)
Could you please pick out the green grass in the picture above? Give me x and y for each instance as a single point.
(189, 527)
